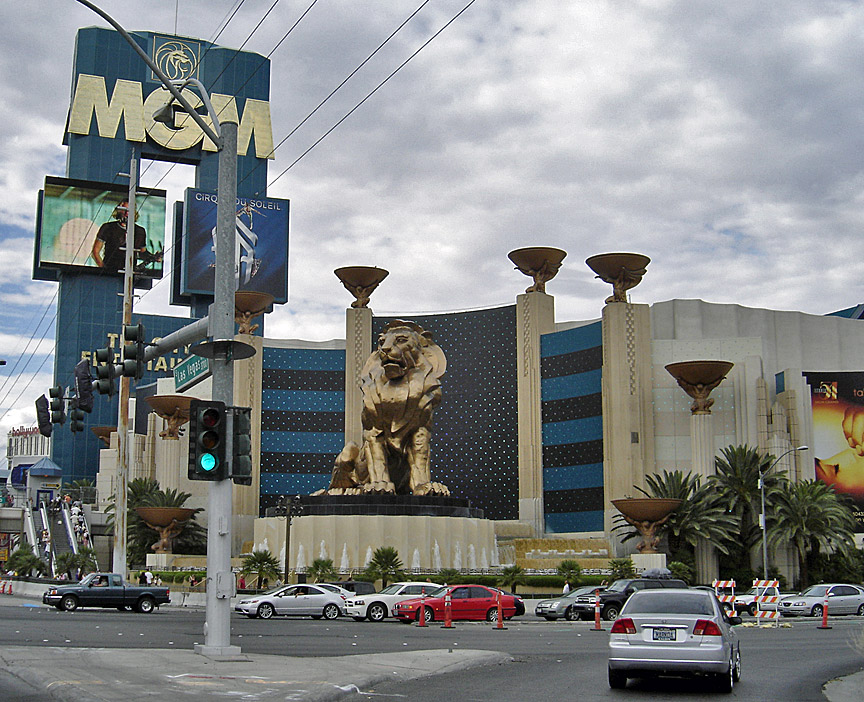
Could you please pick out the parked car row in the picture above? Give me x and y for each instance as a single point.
(406, 601)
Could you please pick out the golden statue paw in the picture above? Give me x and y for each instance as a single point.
(431, 489)
(380, 486)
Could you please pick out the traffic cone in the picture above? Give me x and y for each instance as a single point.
(421, 613)
(448, 613)
(597, 626)
(499, 624)
(824, 624)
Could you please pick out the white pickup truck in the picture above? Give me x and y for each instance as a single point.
(747, 601)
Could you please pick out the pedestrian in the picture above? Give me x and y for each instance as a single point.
(141, 579)
(148, 577)
(241, 584)
(566, 586)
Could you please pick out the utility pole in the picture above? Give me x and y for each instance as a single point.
(121, 487)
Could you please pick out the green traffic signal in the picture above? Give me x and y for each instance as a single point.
(207, 440)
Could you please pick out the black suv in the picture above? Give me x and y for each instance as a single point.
(612, 599)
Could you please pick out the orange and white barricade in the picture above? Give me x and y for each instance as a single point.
(719, 586)
(761, 600)
(5, 587)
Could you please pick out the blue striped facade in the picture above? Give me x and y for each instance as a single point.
(572, 417)
(302, 420)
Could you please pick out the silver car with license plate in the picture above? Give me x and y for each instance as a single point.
(293, 600)
(562, 606)
(841, 598)
(674, 632)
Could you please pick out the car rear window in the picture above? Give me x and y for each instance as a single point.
(658, 602)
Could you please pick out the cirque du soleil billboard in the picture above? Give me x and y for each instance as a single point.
(260, 250)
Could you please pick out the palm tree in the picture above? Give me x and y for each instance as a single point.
(511, 576)
(67, 563)
(811, 518)
(322, 570)
(737, 483)
(23, 561)
(85, 561)
(385, 565)
(702, 513)
(570, 570)
(262, 564)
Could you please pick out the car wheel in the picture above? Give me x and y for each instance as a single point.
(617, 679)
(861, 611)
(727, 679)
(331, 611)
(265, 610)
(492, 615)
(752, 609)
(571, 615)
(736, 675)
(610, 614)
(428, 615)
(816, 611)
(146, 605)
(377, 612)
(69, 603)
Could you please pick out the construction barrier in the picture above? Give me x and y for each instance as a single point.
(6, 587)
(725, 598)
(597, 626)
(761, 600)
(448, 612)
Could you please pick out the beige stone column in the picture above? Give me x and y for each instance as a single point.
(358, 345)
(535, 315)
(628, 419)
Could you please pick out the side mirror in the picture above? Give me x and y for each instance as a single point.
(735, 621)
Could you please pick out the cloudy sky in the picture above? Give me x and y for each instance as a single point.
(723, 140)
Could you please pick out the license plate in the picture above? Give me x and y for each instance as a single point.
(664, 634)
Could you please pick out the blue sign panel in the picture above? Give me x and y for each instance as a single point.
(261, 248)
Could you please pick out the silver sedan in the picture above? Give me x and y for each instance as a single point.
(294, 600)
(679, 632)
(562, 606)
(842, 599)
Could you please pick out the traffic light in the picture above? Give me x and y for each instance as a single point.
(133, 351)
(43, 416)
(241, 465)
(76, 420)
(105, 372)
(207, 439)
(83, 385)
(58, 405)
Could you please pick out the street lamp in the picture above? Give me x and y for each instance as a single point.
(290, 510)
(221, 585)
(762, 518)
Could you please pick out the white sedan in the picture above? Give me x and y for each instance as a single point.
(842, 599)
(378, 606)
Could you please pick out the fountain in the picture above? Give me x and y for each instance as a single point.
(484, 559)
(322, 550)
(344, 565)
(168, 522)
(368, 558)
(415, 560)
(622, 270)
(539, 262)
(698, 379)
(457, 557)
(301, 559)
(361, 282)
(647, 514)
(472, 557)
(436, 556)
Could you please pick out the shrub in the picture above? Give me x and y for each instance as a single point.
(622, 568)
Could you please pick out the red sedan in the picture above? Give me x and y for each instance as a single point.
(466, 602)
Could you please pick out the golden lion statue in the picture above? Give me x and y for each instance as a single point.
(401, 387)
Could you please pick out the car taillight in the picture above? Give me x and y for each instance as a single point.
(705, 627)
(624, 626)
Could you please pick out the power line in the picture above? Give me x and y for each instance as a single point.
(371, 93)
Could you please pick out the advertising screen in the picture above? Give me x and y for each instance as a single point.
(260, 244)
(82, 224)
(837, 401)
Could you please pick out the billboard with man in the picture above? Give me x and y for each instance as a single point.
(82, 224)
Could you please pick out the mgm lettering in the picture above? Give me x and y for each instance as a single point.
(127, 101)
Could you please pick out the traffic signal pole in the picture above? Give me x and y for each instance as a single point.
(220, 579)
(122, 483)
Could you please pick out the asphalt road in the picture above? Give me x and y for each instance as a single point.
(553, 659)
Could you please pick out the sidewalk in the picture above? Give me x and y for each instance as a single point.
(115, 675)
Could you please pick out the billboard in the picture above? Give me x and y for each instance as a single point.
(82, 224)
(260, 249)
(837, 402)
